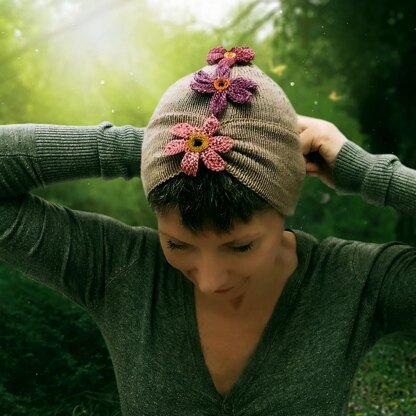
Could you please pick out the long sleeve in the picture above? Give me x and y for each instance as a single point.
(390, 268)
(72, 252)
(381, 180)
(36, 155)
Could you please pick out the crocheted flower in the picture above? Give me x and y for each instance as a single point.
(223, 87)
(199, 143)
(236, 54)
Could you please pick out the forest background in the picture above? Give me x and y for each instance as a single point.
(78, 62)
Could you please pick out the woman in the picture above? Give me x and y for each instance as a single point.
(222, 310)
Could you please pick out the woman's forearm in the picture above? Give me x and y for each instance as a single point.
(36, 155)
(381, 180)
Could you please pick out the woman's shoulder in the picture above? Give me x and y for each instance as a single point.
(349, 255)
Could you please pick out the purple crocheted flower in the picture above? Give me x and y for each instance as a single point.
(237, 54)
(223, 87)
(199, 143)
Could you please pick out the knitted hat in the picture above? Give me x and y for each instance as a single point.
(230, 116)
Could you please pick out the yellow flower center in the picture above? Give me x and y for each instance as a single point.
(229, 54)
(221, 84)
(197, 142)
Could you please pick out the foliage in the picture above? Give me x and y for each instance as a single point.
(384, 382)
(53, 357)
(369, 49)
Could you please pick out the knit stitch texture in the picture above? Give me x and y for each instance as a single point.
(253, 111)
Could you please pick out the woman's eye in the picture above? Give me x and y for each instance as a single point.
(240, 249)
(174, 246)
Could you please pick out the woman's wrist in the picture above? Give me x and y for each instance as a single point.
(351, 167)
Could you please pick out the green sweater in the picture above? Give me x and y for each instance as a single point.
(341, 299)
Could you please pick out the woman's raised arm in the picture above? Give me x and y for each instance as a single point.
(389, 269)
(36, 155)
(71, 251)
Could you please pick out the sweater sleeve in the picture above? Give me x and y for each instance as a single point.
(380, 179)
(390, 268)
(70, 251)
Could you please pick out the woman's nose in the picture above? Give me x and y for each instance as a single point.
(211, 277)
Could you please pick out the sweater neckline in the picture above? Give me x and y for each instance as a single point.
(279, 316)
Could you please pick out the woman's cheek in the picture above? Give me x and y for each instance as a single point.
(176, 260)
(255, 264)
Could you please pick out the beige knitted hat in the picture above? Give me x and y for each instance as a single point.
(230, 116)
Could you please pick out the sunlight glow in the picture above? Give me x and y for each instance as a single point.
(107, 49)
(209, 14)
(66, 13)
(93, 27)
(206, 12)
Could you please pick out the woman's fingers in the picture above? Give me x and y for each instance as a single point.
(311, 167)
(309, 141)
(320, 136)
(320, 142)
(310, 133)
(303, 122)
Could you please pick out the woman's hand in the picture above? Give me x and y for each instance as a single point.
(321, 142)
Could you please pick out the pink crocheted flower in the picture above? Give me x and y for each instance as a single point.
(236, 54)
(199, 143)
(223, 87)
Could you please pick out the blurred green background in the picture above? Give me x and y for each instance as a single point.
(78, 62)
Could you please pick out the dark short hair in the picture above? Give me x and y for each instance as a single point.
(211, 200)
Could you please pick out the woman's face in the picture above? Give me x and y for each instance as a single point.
(244, 260)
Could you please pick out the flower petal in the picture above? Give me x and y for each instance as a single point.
(228, 61)
(215, 54)
(239, 95)
(211, 125)
(245, 83)
(203, 87)
(182, 130)
(244, 54)
(189, 163)
(222, 71)
(221, 144)
(218, 102)
(174, 147)
(212, 160)
(203, 77)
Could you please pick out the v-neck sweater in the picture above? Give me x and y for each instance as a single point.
(343, 296)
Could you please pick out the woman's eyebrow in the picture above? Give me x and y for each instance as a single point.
(243, 237)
